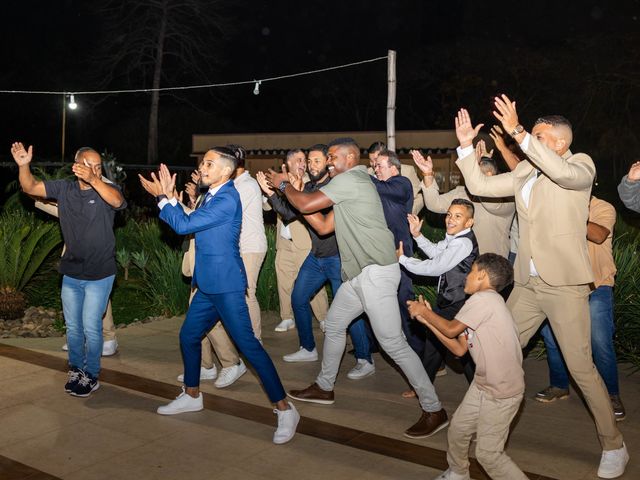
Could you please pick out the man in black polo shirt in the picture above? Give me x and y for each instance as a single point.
(87, 208)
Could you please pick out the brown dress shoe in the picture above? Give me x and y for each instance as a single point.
(313, 394)
(429, 423)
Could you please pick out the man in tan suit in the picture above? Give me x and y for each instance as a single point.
(293, 245)
(552, 268)
(407, 171)
(110, 344)
(492, 217)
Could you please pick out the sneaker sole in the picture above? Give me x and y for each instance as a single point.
(550, 400)
(85, 395)
(299, 360)
(109, 354)
(228, 384)
(177, 412)
(312, 400)
(281, 330)
(441, 427)
(621, 418)
(360, 377)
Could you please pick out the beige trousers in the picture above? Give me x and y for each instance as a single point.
(108, 327)
(288, 261)
(567, 308)
(489, 418)
(217, 339)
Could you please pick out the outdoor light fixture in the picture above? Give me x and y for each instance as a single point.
(256, 89)
(72, 103)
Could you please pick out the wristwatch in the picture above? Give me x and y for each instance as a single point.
(283, 185)
(161, 197)
(517, 130)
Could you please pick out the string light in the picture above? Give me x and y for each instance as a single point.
(256, 83)
(72, 102)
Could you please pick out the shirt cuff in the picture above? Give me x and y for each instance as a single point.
(402, 259)
(164, 201)
(524, 145)
(463, 152)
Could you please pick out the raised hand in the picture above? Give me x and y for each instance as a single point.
(425, 165)
(496, 135)
(465, 131)
(634, 172)
(275, 178)
(481, 150)
(20, 155)
(152, 186)
(191, 190)
(86, 172)
(506, 113)
(399, 250)
(167, 181)
(264, 184)
(415, 225)
(195, 177)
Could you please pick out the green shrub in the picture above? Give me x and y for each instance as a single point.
(163, 283)
(267, 287)
(627, 301)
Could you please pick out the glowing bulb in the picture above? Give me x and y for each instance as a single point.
(256, 89)
(72, 103)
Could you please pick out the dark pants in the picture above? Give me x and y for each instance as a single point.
(204, 312)
(435, 352)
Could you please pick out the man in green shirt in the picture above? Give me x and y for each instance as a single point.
(371, 276)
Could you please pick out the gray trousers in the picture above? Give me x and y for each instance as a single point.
(374, 292)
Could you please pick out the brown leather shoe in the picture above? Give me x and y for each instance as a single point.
(313, 394)
(429, 423)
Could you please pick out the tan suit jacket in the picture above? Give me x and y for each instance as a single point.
(492, 220)
(553, 229)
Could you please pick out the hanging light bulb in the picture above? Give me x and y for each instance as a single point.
(256, 89)
(72, 103)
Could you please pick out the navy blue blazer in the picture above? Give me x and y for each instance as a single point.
(216, 225)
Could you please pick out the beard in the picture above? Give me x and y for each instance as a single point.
(320, 174)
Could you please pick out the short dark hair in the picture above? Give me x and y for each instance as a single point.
(346, 142)
(319, 147)
(292, 152)
(394, 161)
(226, 154)
(554, 121)
(377, 147)
(498, 268)
(239, 152)
(466, 203)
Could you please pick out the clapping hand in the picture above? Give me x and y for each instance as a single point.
(496, 135)
(20, 155)
(465, 131)
(634, 172)
(425, 165)
(167, 181)
(275, 178)
(264, 184)
(191, 190)
(481, 150)
(415, 225)
(153, 186)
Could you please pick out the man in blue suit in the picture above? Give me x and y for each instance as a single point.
(221, 280)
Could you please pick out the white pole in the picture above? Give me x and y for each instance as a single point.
(391, 100)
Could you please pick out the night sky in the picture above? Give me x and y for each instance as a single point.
(577, 58)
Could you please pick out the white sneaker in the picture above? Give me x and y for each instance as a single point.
(322, 326)
(613, 462)
(182, 404)
(449, 475)
(110, 347)
(302, 355)
(205, 374)
(286, 324)
(362, 369)
(65, 347)
(287, 423)
(229, 375)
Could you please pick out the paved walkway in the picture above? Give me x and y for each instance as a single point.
(116, 434)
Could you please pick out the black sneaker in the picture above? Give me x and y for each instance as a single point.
(73, 377)
(85, 386)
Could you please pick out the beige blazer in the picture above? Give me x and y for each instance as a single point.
(553, 229)
(492, 219)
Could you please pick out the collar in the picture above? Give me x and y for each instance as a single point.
(212, 191)
(451, 237)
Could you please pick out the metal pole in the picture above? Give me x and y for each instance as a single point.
(391, 100)
(64, 122)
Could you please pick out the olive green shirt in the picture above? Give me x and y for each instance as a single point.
(361, 230)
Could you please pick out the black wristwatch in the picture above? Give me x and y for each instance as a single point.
(161, 197)
(282, 186)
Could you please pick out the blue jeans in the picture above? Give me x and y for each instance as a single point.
(230, 308)
(313, 274)
(83, 304)
(602, 330)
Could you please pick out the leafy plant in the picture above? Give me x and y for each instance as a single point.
(140, 259)
(267, 287)
(163, 283)
(123, 258)
(25, 242)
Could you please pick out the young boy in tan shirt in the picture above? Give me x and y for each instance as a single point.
(485, 328)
